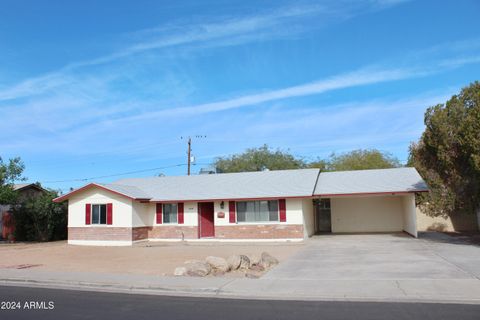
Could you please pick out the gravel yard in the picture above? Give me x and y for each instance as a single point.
(147, 258)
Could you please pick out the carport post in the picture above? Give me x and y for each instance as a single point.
(410, 215)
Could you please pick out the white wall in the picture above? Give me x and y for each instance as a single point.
(122, 207)
(367, 214)
(128, 213)
(308, 217)
(409, 214)
(141, 216)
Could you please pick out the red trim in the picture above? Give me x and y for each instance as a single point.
(159, 216)
(231, 212)
(90, 185)
(282, 209)
(109, 213)
(180, 213)
(368, 193)
(88, 210)
(232, 199)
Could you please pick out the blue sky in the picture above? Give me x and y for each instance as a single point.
(96, 88)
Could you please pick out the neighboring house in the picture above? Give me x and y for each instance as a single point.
(24, 190)
(279, 205)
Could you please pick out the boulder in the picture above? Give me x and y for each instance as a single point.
(218, 263)
(267, 260)
(198, 269)
(244, 262)
(234, 262)
(180, 271)
(257, 267)
(217, 273)
(255, 259)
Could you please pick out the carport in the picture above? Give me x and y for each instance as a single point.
(367, 201)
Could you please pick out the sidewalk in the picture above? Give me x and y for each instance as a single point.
(431, 290)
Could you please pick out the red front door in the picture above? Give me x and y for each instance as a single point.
(205, 220)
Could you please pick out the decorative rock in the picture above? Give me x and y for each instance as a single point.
(234, 262)
(254, 259)
(217, 273)
(180, 271)
(198, 269)
(244, 262)
(218, 263)
(257, 267)
(267, 260)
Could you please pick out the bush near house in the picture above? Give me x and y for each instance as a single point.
(40, 219)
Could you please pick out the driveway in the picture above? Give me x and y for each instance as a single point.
(381, 257)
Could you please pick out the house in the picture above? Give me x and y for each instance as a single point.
(24, 191)
(268, 205)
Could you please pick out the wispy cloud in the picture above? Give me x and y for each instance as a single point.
(281, 22)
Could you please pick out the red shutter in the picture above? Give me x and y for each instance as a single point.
(282, 208)
(180, 212)
(231, 209)
(159, 213)
(88, 210)
(109, 213)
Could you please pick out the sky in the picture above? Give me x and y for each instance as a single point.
(103, 90)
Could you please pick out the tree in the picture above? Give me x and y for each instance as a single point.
(360, 159)
(258, 159)
(9, 173)
(38, 218)
(448, 154)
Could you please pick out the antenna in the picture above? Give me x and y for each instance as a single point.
(191, 158)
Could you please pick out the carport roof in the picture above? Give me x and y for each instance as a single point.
(376, 181)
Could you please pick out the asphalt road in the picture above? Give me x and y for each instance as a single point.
(67, 304)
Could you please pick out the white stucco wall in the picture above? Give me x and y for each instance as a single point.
(409, 214)
(128, 213)
(367, 214)
(308, 217)
(122, 207)
(141, 215)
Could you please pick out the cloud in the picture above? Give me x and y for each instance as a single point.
(225, 31)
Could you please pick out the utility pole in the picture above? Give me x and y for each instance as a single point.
(189, 152)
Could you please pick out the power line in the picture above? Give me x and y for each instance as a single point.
(120, 174)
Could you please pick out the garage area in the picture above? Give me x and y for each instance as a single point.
(367, 201)
(366, 214)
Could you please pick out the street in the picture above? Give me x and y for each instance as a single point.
(39, 303)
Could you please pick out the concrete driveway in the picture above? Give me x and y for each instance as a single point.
(381, 257)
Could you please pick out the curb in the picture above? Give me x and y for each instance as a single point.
(212, 292)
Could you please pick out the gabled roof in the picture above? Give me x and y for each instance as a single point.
(396, 180)
(126, 191)
(21, 186)
(225, 186)
(264, 184)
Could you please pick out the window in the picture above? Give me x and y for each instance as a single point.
(257, 211)
(324, 204)
(170, 213)
(99, 214)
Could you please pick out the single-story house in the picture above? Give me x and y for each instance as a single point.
(267, 205)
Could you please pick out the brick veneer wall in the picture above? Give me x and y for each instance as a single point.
(140, 233)
(100, 233)
(172, 232)
(265, 231)
(238, 231)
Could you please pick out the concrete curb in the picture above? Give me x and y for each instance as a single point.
(218, 292)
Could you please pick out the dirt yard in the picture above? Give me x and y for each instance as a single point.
(151, 258)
